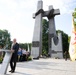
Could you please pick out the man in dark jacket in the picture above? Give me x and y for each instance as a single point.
(14, 49)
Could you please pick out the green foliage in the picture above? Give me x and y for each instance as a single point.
(5, 38)
(29, 58)
(45, 37)
(74, 15)
(25, 45)
(1, 60)
(69, 37)
(30, 44)
(65, 43)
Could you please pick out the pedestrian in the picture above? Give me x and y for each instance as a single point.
(65, 54)
(14, 49)
(19, 54)
(24, 54)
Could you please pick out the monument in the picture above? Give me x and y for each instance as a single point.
(55, 41)
(37, 36)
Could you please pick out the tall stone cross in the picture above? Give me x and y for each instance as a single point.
(52, 30)
(37, 35)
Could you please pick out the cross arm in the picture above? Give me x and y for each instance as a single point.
(38, 12)
(51, 13)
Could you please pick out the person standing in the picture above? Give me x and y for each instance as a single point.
(24, 54)
(65, 55)
(19, 54)
(14, 49)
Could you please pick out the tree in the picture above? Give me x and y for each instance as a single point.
(25, 45)
(69, 37)
(5, 39)
(45, 37)
(30, 44)
(74, 16)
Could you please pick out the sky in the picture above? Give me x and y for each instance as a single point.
(16, 17)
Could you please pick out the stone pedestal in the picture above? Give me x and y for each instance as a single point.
(57, 50)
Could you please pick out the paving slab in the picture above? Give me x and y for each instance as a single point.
(45, 67)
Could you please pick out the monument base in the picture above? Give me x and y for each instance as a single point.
(57, 51)
(57, 54)
(35, 52)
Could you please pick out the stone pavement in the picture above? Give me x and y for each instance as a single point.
(45, 67)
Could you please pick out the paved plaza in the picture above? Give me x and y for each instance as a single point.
(45, 67)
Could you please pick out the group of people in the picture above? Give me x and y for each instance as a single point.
(22, 54)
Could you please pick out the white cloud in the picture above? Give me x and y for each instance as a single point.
(65, 6)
